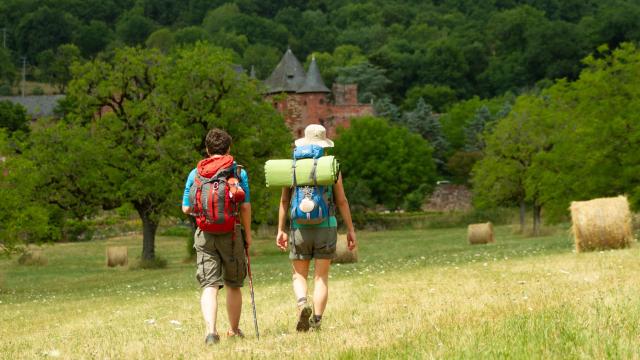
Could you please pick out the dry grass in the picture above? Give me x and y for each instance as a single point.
(414, 294)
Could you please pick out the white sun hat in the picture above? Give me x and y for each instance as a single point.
(315, 134)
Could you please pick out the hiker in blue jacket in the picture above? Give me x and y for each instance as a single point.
(313, 241)
(218, 241)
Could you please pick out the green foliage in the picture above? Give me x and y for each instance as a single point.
(161, 39)
(37, 90)
(387, 109)
(388, 159)
(56, 67)
(262, 57)
(45, 28)
(160, 109)
(191, 35)
(93, 38)
(7, 68)
(370, 79)
(23, 219)
(474, 139)
(13, 117)
(595, 136)
(424, 122)
(440, 97)
(134, 28)
(459, 164)
(439, 50)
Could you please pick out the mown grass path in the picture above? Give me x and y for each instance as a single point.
(414, 294)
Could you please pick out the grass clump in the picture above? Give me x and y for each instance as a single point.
(155, 263)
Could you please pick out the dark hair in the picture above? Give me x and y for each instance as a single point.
(218, 142)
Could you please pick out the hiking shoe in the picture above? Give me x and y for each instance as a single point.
(212, 339)
(303, 319)
(315, 324)
(235, 334)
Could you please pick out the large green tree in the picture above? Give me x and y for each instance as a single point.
(152, 113)
(387, 161)
(502, 176)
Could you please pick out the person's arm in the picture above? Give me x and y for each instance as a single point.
(245, 208)
(186, 205)
(343, 206)
(282, 237)
(245, 220)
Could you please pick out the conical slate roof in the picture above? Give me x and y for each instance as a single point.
(288, 76)
(313, 82)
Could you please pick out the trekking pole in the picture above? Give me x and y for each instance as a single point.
(253, 300)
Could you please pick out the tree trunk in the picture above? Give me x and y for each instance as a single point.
(149, 227)
(537, 210)
(523, 213)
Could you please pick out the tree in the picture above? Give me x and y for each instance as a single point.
(22, 219)
(501, 177)
(440, 97)
(191, 35)
(7, 69)
(595, 148)
(45, 29)
(370, 79)
(133, 28)
(161, 39)
(56, 67)
(473, 130)
(424, 122)
(93, 38)
(153, 111)
(386, 109)
(342, 56)
(263, 58)
(387, 159)
(13, 117)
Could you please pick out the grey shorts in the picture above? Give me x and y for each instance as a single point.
(220, 260)
(313, 243)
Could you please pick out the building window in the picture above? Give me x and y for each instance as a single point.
(275, 105)
(321, 101)
(300, 133)
(304, 103)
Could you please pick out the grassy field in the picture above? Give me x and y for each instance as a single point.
(414, 294)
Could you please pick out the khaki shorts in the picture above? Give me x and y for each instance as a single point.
(313, 243)
(220, 260)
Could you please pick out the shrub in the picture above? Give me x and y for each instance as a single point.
(37, 91)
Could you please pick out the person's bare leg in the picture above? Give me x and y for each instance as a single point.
(209, 304)
(321, 285)
(300, 273)
(234, 307)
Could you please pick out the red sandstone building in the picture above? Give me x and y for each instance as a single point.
(304, 99)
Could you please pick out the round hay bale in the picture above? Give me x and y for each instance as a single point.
(343, 254)
(32, 256)
(117, 256)
(480, 233)
(603, 223)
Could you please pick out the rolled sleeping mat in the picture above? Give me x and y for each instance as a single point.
(280, 172)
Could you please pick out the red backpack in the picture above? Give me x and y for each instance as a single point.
(211, 196)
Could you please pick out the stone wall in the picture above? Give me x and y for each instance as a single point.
(449, 197)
